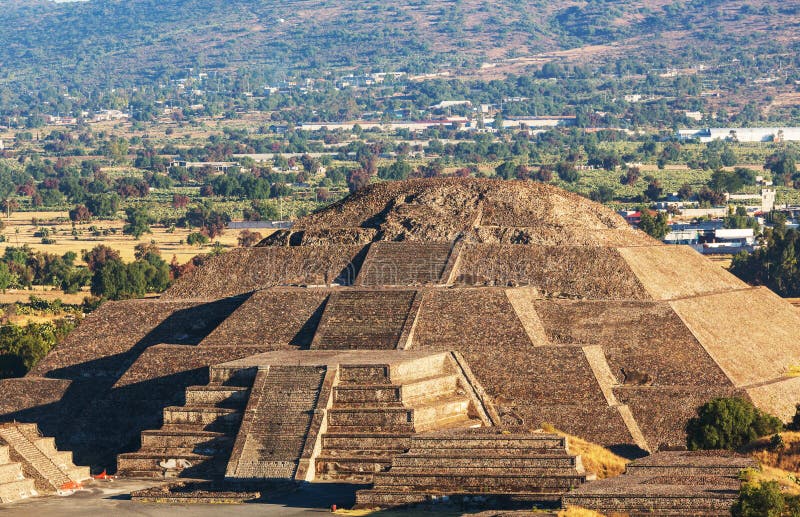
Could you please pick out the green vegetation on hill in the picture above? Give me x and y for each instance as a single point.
(104, 48)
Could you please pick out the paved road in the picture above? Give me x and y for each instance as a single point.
(113, 498)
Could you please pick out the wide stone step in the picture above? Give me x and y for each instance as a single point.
(179, 451)
(484, 470)
(372, 441)
(173, 438)
(77, 473)
(364, 374)
(685, 470)
(232, 376)
(370, 429)
(141, 474)
(266, 469)
(438, 386)
(351, 469)
(171, 465)
(200, 415)
(46, 444)
(542, 461)
(676, 504)
(11, 472)
(224, 396)
(4, 454)
(222, 427)
(367, 394)
(421, 369)
(484, 442)
(471, 483)
(440, 413)
(17, 490)
(370, 417)
(390, 497)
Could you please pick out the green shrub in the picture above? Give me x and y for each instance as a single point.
(759, 500)
(728, 423)
(795, 424)
(196, 239)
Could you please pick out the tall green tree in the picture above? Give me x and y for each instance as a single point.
(656, 227)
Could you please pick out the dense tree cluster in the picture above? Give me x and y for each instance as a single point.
(21, 347)
(775, 264)
(115, 280)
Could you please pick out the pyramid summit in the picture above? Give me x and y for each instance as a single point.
(423, 306)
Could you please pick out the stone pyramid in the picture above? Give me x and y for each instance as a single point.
(552, 310)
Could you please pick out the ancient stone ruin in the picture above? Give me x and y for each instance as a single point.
(411, 312)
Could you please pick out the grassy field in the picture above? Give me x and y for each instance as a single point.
(21, 227)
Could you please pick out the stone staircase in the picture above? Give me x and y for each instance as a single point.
(277, 421)
(13, 483)
(377, 408)
(364, 320)
(195, 439)
(500, 469)
(404, 263)
(48, 468)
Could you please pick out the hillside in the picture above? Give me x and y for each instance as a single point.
(116, 42)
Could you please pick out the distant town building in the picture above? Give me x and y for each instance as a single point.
(450, 104)
(767, 198)
(217, 166)
(522, 122)
(108, 115)
(259, 225)
(742, 134)
(710, 238)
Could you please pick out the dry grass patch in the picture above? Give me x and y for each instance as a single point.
(405, 512)
(785, 479)
(20, 231)
(596, 458)
(576, 511)
(786, 458)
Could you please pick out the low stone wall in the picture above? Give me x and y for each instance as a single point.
(668, 483)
